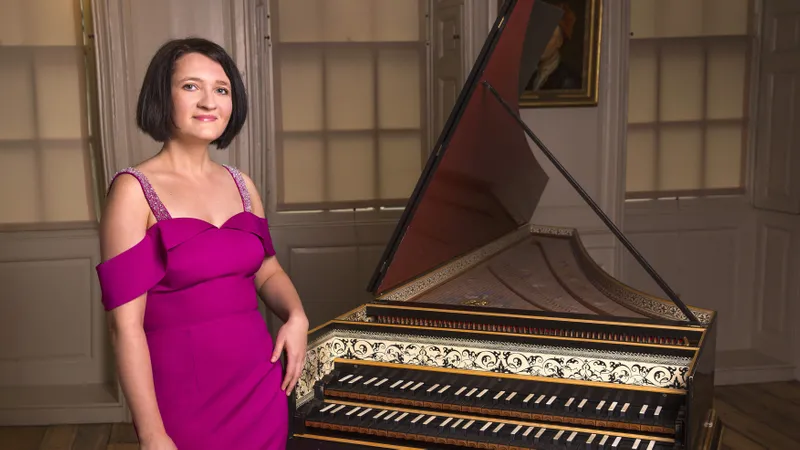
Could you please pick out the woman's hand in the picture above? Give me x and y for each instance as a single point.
(292, 336)
(157, 442)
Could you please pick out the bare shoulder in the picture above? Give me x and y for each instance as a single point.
(124, 220)
(255, 198)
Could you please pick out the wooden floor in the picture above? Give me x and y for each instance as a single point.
(756, 416)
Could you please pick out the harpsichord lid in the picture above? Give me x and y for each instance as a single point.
(482, 179)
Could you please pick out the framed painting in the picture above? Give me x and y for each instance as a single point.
(568, 70)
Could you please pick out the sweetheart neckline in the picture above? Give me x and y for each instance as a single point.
(197, 219)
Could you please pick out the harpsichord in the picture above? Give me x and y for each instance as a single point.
(489, 331)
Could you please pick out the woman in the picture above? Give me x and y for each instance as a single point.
(186, 252)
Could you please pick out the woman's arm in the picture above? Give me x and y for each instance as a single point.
(123, 225)
(280, 296)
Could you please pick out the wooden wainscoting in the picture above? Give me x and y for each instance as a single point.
(756, 416)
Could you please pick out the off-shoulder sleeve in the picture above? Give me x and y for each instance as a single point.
(132, 273)
(266, 237)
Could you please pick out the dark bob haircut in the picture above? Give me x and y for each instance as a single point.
(154, 109)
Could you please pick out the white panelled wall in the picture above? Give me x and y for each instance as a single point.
(740, 255)
(720, 253)
(56, 365)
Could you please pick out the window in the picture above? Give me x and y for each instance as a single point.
(45, 164)
(350, 92)
(688, 97)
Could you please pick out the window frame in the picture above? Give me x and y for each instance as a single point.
(93, 171)
(751, 41)
(378, 209)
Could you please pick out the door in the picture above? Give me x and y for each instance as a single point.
(777, 142)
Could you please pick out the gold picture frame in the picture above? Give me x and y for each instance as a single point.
(571, 62)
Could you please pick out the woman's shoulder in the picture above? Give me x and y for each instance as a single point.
(249, 185)
(248, 182)
(127, 194)
(132, 176)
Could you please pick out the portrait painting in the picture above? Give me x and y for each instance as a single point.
(567, 73)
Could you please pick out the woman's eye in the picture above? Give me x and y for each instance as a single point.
(223, 91)
(189, 87)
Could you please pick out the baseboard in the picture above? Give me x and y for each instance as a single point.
(750, 366)
(47, 405)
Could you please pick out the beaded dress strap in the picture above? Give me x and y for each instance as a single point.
(240, 184)
(159, 211)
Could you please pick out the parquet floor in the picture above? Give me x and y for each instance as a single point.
(756, 416)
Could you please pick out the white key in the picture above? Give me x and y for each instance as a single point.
(396, 383)
(528, 398)
(338, 409)
(569, 402)
(540, 433)
(658, 412)
(499, 425)
(600, 405)
(485, 426)
(652, 445)
(591, 438)
(417, 386)
(527, 432)
(400, 417)
(539, 400)
(430, 389)
(361, 414)
(381, 382)
(643, 410)
(446, 421)
(390, 415)
(603, 441)
(552, 399)
(368, 382)
(430, 419)
(468, 424)
(636, 444)
(329, 406)
(511, 396)
(625, 408)
(514, 432)
(472, 391)
(482, 392)
(406, 385)
(345, 378)
(416, 419)
(353, 410)
(571, 437)
(558, 435)
(616, 442)
(441, 391)
(378, 416)
(583, 402)
(499, 394)
(355, 379)
(611, 408)
(458, 392)
(456, 423)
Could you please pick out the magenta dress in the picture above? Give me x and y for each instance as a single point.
(209, 345)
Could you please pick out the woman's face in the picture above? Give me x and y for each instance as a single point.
(201, 98)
